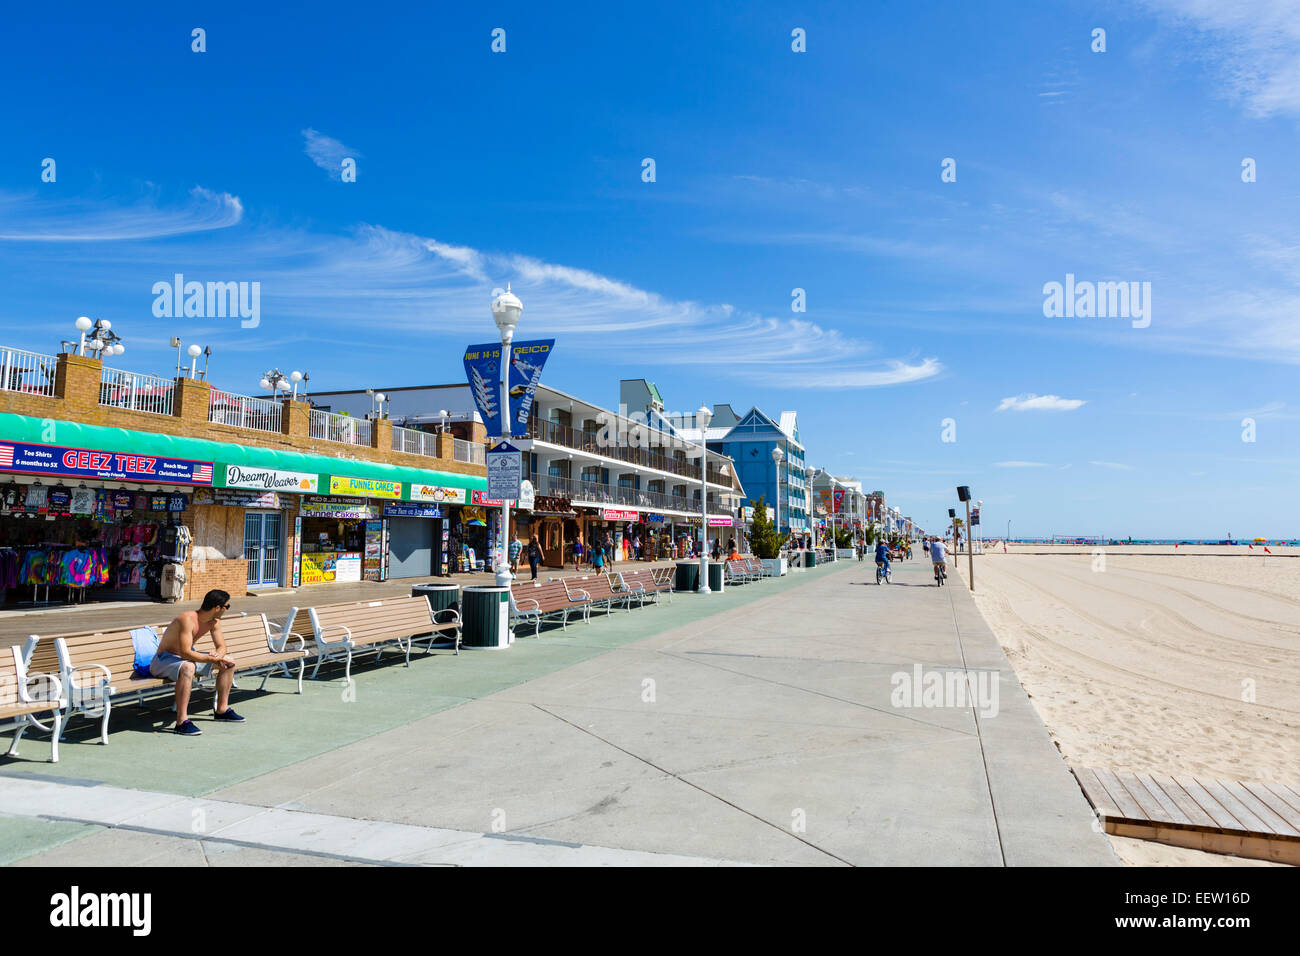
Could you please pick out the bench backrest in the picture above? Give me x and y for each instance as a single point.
(115, 651)
(112, 650)
(646, 578)
(549, 595)
(378, 620)
(596, 585)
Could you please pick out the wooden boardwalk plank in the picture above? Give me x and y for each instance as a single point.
(1195, 814)
(1289, 795)
(1249, 821)
(1095, 792)
(1125, 804)
(1275, 803)
(1260, 808)
(1172, 810)
(1151, 807)
(1221, 817)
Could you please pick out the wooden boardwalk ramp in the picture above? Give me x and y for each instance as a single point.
(1257, 820)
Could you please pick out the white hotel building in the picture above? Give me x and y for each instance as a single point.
(593, 471)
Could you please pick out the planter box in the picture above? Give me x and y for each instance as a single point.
(773, 566)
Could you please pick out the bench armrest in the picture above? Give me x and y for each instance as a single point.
(291, 636)
(522, 601)
(456, 619)
(582, 595)
(108, 675)
(347, 633)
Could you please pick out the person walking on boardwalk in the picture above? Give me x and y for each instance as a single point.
(515, 547)
(534, 555)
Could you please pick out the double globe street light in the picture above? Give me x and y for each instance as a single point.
(506, 311)
(104, 342)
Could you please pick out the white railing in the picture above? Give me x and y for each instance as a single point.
(331, 426)
(469, 451)
(415, 442)
(226, 408)
(29, 372)
(138, 392)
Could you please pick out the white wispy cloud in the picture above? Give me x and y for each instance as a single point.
(29, 218)
(1039, 403)
(327, 152)
(1253, 44)
(1020, 464)
(374, 283)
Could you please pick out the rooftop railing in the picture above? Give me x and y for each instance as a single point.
(331, 426)
(469, 451)
(415, 442)
(28, 372)
(136, 391)
(243, 411)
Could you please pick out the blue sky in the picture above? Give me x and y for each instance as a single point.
(775, 170)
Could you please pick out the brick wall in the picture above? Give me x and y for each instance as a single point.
(76, 399)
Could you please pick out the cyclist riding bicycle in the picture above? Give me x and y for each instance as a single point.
(938, 554)
(882, 555)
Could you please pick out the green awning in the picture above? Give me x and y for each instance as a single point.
(44, 431)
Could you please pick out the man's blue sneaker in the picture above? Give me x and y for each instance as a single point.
(229, 715)
(187, 729)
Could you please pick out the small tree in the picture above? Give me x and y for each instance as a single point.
(765, 539)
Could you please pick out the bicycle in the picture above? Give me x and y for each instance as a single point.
(883, 572)
(940, 574)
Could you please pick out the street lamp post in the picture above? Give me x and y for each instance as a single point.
(702, 417)
(777, 455)
(506, 310)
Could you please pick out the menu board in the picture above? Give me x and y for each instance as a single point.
(321, 567)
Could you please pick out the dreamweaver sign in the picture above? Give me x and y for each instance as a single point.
(365, 487)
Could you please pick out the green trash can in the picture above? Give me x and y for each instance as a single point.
(810, 559)
(715, 576)
(441, 595)
(485, 618)
(688, 576)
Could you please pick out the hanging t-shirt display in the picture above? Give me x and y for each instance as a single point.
(59, 500)
(83, 501)
(38, 497)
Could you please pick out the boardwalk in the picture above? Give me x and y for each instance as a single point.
(1258, 820)
(762, 726)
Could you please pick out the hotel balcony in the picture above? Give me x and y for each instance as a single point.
(594, 494)
(586, 442)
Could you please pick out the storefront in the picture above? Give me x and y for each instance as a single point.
(228, 516)
(86, 521)
(338, 540)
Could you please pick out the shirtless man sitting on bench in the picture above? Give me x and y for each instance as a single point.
(178, 660)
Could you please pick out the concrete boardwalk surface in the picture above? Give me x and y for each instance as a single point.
(753, 727)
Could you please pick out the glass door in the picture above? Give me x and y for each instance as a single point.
(262, 533)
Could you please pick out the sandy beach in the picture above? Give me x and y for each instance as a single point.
(1148, 661)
